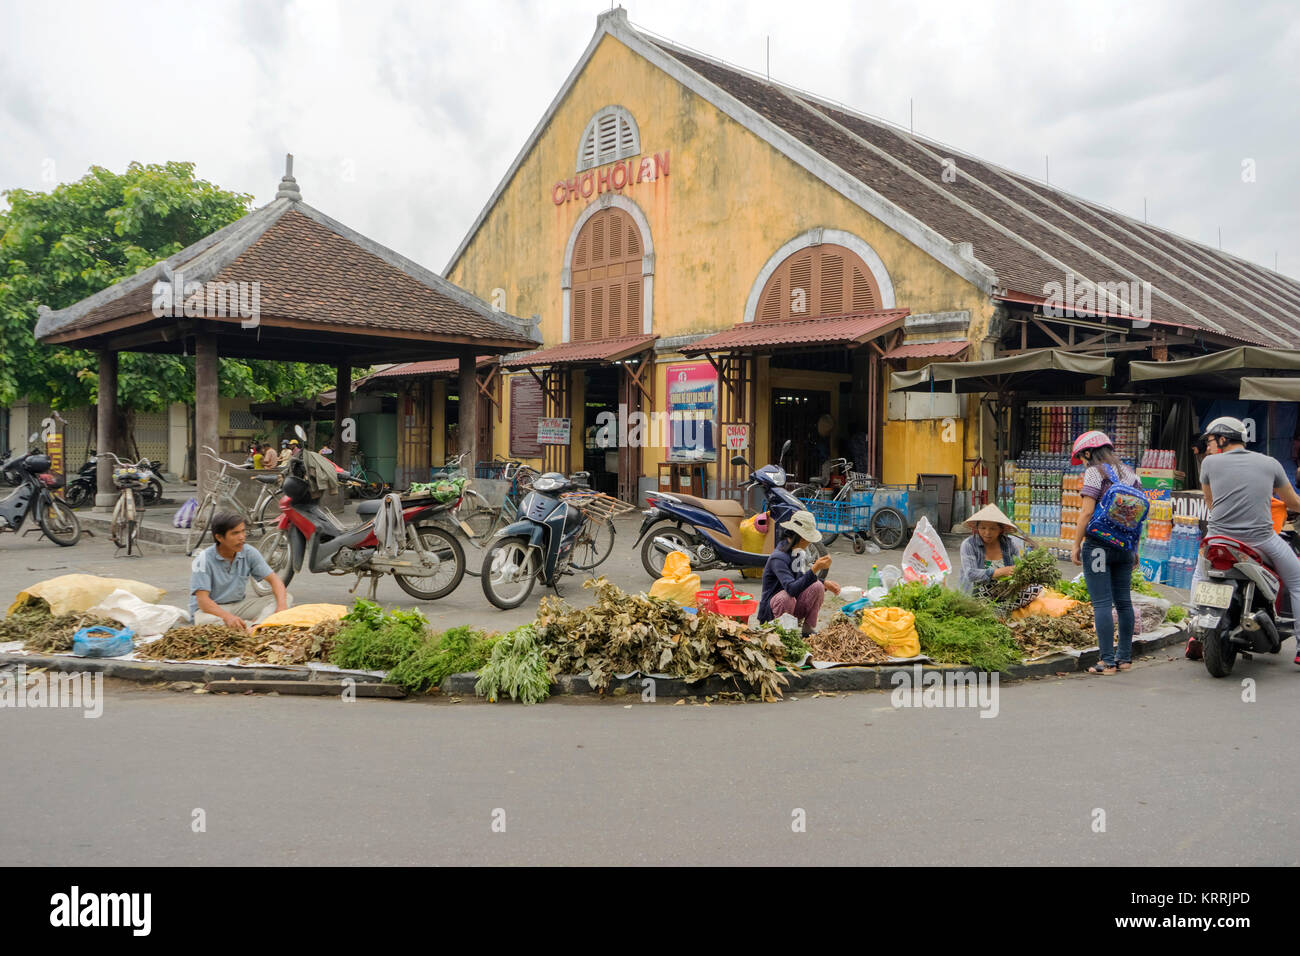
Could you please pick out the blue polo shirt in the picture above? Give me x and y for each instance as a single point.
(225, 580)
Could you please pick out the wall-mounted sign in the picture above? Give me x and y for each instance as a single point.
(737, 437)
(553, 431)
(692, 409)
(612, 178)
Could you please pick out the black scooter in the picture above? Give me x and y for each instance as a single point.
(35, 496)
(537, 547)
(81, 489)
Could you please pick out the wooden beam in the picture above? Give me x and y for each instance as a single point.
(1050, 333)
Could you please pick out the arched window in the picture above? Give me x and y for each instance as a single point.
(820, 280)
(607, 280)
(611, 135)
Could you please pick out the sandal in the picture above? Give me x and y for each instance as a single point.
(1100, 668)
(1124, 665)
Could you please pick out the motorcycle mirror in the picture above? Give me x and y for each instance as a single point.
(31, 439)
(739, 460)
(297, 430)
(784, 449)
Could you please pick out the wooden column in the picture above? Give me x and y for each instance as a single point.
(467, 399)
(342, 409)
(107, 438)
(207, 406)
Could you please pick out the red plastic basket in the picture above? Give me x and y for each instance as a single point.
(737, 605)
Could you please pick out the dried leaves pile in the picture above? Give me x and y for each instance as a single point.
(271, 645)
(41, 632)
(1039, 635)
(842, 642)
(621, 633)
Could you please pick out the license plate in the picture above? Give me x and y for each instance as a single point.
(1209, 594)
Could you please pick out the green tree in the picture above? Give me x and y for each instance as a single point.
(56, 248)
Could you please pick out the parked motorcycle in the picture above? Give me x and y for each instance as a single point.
(538, 547)
(10, 476)
(1238, 609)
(35, 496)
(708, 529)
(81, 489)
(428, 562)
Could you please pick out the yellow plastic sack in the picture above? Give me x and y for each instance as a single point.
(74, 593)
(678, 582)
(304, 616)
(1049, 603)
(893, 628)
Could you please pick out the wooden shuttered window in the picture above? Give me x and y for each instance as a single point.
(819, 281)
(606, 297)
(525, 410)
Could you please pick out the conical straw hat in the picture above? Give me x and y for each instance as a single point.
(989, 513)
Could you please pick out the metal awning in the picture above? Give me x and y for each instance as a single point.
(1282, 388)
(1229, 360)
(839, 331)
(600, 352)
(946, 349)
(1041, 367)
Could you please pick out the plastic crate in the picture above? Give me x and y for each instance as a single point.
(838, 517)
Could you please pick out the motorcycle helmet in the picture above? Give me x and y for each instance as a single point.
(37, 463)
(297, 489)
(1087, 442)
(1233, 429)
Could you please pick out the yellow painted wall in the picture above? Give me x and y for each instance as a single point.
(728, 203)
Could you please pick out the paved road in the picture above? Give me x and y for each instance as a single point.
(1186, 772)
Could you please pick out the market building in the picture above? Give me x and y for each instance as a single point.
(719, 261)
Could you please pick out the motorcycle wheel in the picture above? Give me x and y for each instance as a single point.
(652, 559)
(1219, 653)
(504, 587)
(449, 552)
(199, 525)
(78, 493)
(152, 492)
(274, 547)
(58, 521)
(888, 527)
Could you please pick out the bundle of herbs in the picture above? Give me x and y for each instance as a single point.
(956, 628)
(456, 651)
(373, 639)
(841, 641)
(294, 645)
(1039, 635)
(621, 633)
(517, 668)
(1033, 571)
(791, 638)
(51, 635)
(199, 642)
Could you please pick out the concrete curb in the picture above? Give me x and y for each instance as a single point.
(170, 540)
(831, 679)
(151, 672)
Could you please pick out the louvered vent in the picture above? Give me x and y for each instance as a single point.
(834, 280)
(606, 293)
(611, 135)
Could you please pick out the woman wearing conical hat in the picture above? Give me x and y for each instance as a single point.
(990, 551)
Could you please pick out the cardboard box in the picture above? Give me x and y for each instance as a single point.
(1153, 571)
(1161, 479)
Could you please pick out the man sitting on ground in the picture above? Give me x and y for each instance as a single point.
(221, 571)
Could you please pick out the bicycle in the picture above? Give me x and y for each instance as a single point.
(372, 483)
(222, 493)
(130, 480)
(595, 538)
(491, 501)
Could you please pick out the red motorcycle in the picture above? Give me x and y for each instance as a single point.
(427, 560)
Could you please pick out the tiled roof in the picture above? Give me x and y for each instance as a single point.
(1029, 233)
(582, 353)
(310, 269)
(854, 329)
(927, 349)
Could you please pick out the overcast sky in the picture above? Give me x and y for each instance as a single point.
(403, 117)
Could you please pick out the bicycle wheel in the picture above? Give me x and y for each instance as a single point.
(58, 521)
(888, 527)
(595, 542)
(117, 525)
(199, 525)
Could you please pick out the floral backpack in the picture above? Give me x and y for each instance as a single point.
(1117, 519)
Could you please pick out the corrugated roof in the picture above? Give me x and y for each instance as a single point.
(583, 353)
(846, 330)
(927, 349)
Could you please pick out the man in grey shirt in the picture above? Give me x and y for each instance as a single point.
(220, 573)
(1238, 486)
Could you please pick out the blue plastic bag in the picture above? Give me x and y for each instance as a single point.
(102, 641)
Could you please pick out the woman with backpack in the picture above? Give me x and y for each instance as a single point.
(1106, 544)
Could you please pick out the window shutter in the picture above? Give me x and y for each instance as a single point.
(597, 327)
(865, 298)
(831, 286)
(633, 243)
(800, 278)
(578, 317)
(597, 238)
(771, 306)
(632, 314)
(616, 237)
(606, 297)
(525, 410)
(614, 325)
(834, 279)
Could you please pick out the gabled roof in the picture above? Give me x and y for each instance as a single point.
(1001, 231)
(583, 353)
(313, 273)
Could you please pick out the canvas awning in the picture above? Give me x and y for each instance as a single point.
(1279, 389)
(1229, 360)
(839, 331)
(599, 352)
(1041, 367)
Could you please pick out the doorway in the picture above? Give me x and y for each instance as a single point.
(795, 413)
(600, 446)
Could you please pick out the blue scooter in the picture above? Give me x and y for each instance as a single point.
(708, 529)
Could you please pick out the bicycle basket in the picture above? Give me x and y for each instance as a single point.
(493, 490)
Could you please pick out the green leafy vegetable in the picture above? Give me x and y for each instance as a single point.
(516, 668)
(1175, 613)
(376, 641)
(955, 628)
(457, 651)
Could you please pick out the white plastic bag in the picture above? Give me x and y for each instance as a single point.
(147, 620)
(925, 553)
(788, 621)
(890, 575)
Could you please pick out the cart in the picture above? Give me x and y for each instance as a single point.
(886, 514)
